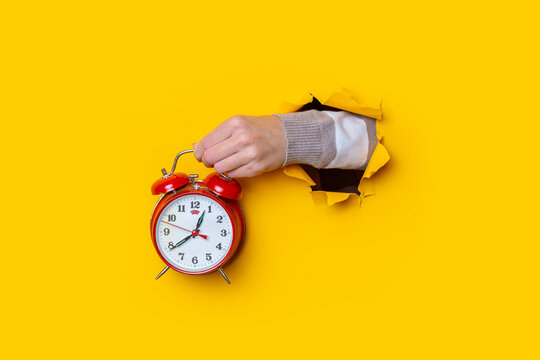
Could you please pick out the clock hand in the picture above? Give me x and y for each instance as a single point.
(192, 233)
(199, 222)
(181, 242)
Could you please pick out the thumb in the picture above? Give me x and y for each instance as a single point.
(197, 151)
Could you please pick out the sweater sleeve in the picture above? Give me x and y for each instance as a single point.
(329, 139)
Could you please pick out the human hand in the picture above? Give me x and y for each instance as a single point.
(244, 146)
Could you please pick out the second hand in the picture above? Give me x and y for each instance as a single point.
(194, 233)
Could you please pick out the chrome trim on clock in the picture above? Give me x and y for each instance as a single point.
(165, 174)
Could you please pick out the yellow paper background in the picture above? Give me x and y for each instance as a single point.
(441, 263)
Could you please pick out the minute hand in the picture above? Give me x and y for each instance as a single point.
(199, 222)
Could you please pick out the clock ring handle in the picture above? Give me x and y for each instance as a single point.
(224, 175)
(165, 174)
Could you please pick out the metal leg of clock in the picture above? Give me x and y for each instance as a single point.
(224, 276)
(162, 272)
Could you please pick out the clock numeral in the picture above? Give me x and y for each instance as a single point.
(218, 246)
(172, 217)
(209, 209)
(166, 231)
(181, 256)
(223, 232)
(195, 205)
(208, 256)
(194, 260)
(220, 219)
(171, 245)
(181, 208)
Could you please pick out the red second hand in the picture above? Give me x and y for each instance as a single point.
(194, 233)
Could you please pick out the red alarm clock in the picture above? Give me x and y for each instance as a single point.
(197, 226)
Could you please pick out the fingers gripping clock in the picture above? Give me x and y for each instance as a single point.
(197, 226)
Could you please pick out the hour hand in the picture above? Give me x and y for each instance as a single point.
(180, 242)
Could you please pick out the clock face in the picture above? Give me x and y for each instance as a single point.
(186, 247)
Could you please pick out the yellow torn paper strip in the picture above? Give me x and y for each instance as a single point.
(336, 197)
(348, 101)
(297, 172)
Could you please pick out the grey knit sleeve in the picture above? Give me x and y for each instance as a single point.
(310, 138)
(329, 139)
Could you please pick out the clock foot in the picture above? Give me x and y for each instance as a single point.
(224, 276)
(162, 272)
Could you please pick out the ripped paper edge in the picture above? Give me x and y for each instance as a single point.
(348, 101)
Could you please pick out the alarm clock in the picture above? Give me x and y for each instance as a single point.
(197, 226)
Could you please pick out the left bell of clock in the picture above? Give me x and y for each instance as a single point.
(170, 183)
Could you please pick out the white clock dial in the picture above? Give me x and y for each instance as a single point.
(198, 252)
